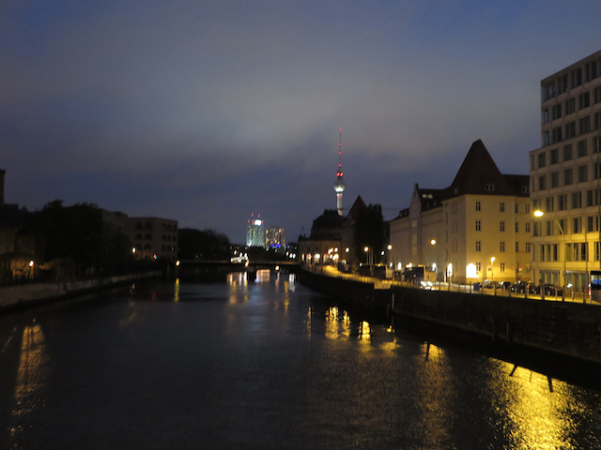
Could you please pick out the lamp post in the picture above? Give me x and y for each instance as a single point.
(446, 270)
(492, 271)
(539, 213)
(368, 251)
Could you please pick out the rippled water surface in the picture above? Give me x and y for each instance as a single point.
(263, 365)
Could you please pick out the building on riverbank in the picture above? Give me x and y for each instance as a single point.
(153, 237)
(565, 175)
(480, 225)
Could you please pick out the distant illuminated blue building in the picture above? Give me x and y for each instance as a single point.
(255, 232)
(276, 239)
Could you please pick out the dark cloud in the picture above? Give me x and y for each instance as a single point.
(207, 112)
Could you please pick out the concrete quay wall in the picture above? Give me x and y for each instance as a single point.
(568, 329)
(29, 294)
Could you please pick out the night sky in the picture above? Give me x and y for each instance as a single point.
(206, 112)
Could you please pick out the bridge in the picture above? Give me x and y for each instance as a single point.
(199, 267)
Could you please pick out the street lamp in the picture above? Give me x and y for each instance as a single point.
(539, 213)
(369, 254)
(492, 267)
(446, 274)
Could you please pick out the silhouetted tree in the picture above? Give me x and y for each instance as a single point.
(206, 244)
(369, 232)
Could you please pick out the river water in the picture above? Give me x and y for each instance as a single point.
(264, 365)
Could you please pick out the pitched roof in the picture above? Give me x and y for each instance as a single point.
(358, 205)
(480, 175)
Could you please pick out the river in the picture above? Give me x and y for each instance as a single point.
(268, 364)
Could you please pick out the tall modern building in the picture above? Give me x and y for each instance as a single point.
(565, 176)
(275, 238)
(339, 184)
(255, 232)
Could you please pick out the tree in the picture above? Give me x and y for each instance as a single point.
(369, 232)
(207, 244)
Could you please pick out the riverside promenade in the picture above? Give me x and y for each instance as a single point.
(29, 294)
(568, 328)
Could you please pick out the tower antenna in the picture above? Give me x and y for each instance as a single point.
(339, 184)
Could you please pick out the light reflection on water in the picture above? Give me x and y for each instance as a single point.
(266, 364)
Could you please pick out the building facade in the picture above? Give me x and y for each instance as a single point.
(476, 229)
(275, 239)
(565, 176)
(255, 232)
(153, 237)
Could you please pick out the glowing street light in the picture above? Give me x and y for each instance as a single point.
(539, 213)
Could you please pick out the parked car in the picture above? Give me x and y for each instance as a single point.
(490, 284)
(520, 287)
(549, 290)
(504, 285)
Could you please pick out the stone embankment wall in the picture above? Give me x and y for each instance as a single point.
(15, 296)
(571, 329)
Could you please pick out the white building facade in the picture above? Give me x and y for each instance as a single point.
(565, 176)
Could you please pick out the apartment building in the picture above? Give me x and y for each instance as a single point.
(481, 225)
(565, 176)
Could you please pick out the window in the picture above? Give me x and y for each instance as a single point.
(584, 100)
(527, 227)
(502, 246)
(545, 116)
(556, 134)
(575, 78)
(582, 173)
(528, 247)
(576, 200)
(549, 204)
(502, 266)
(556, 111)
(517, 227)
(541, 183)
(517, 208)
(549, 226)
(502, 226)
(597, 120)
(555, 179)
(567, 152)
(478, 225)
(570, 106)
(592, 223)
(545, 138)
(478, 267)
(554, 156)
(478, 206)
(562, 84)
(562, 226)
(576, 225)
(562, 202)
(576, 252)
(570, 130)
(489, 187)
(584, 125)
(597, 144)
(478, 246)
(582, 148)
(567, 177)
(501, 207)
(517, 247)
(527, 209)
(597, 170)
(596, 95)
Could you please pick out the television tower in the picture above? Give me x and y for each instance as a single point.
(339, 185)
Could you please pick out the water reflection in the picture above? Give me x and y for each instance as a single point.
(536, 408)
(31, 377)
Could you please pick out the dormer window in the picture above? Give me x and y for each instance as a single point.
(489, 187)
(524, 189)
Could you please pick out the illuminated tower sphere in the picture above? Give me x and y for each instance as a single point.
(339, 185)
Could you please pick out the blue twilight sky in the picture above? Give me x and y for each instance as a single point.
(206, 112)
